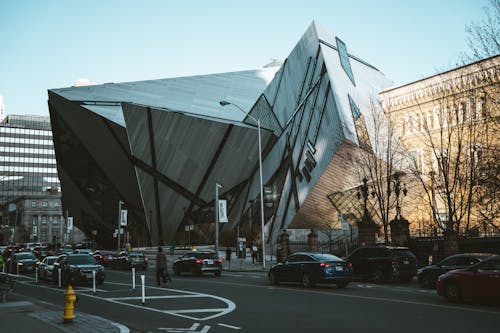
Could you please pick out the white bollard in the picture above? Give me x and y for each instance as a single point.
(59, 277)
(133, 278)
(93, 281)
(18, 269)
(143, 278)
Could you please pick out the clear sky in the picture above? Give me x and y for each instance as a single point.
(48, 44)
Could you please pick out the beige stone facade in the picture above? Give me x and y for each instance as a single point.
(449, 124)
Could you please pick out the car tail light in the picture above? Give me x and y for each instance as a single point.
(219, 260)
(127, 259)
(199, 261)
(145, 258)
(323, 264)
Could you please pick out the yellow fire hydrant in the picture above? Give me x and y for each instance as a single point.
(69, 304)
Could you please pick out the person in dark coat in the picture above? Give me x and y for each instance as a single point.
(228, 258)
(161, 267)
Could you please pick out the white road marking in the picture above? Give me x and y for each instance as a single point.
(229, 326)
(217, 312)
(193, 328)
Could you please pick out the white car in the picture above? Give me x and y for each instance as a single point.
(46, 268)
(31, 246)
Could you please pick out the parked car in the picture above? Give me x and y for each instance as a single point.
(477, 282)
(77, 268)
(105, 257)
(41, 252)
(25, 260)
(312, 268)
(428, 275)
(85, 251)
(46, 268)
(32, 246)
(382, 263)
(127, 260)
(197, 263)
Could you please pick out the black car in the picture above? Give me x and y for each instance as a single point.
(127, 260)
(197, 263)
(311, 268)
(428, 275)
(383, 263)
(77, 268)
(26, 261)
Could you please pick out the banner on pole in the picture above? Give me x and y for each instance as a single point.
(223, 211)
(123, 217)
(70, 223)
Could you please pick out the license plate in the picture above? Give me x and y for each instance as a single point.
(209, 262)
(339, 268)
(406, 262)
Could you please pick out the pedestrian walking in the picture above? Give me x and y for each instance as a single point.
(161, 268)
(228, 258)
(254, 253)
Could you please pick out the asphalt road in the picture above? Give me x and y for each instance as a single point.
(245, 302)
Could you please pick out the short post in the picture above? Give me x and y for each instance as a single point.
(143, 278)
(36, 274)
(18, 269)
(59, 277)
(133, 278)
(93, 281)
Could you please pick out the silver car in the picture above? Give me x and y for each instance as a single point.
(46, 268)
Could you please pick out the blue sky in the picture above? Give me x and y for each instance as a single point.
(48, 44)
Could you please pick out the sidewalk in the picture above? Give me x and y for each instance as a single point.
(21, 314)
(237, 264)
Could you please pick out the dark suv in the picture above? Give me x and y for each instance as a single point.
(381, 263)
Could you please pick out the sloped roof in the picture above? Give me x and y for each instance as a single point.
(194, 94)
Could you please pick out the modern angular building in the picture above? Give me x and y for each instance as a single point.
(161, 146)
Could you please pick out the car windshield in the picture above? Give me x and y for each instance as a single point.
(401, 252)
(326, 257)
(204, 255)
(50, 261)
(23, 256)
(81, 260)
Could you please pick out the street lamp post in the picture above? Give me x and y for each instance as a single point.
(225, 103)
(217, 186)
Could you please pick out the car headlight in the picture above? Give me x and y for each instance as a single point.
(419, 271)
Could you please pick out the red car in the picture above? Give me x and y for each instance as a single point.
(478, 282)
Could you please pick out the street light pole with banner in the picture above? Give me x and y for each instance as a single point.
(217, 208)
(257, 121)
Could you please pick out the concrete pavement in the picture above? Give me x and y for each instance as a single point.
(21, 314)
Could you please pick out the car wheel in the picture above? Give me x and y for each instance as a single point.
(378, 275)
(342, 285)
(428, 281)
(273, 279)
(217, 273)
(100, 281)
(307, 281)
(452, 292)
(177, 271)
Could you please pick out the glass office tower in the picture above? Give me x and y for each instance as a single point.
(30, 197)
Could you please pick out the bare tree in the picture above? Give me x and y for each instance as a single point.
(458, 127)
(483, 38)
(379, 162)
